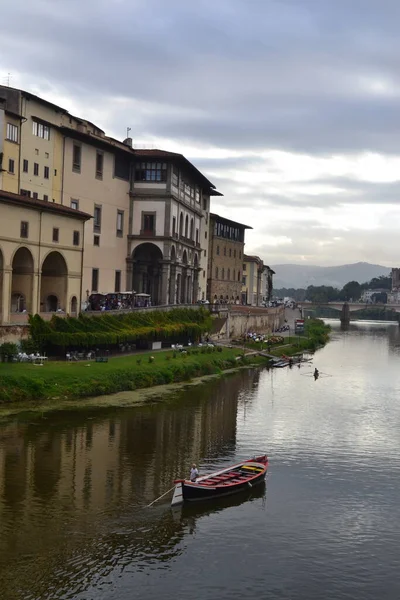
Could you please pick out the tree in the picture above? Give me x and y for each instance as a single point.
(379, 297)
(322, 294)
(351, 291)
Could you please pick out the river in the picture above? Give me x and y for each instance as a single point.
(74, 488)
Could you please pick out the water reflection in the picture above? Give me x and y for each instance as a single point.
(73, 489)
(66, 477)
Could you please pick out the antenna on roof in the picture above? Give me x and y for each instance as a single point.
(7, 80)
(128, 130)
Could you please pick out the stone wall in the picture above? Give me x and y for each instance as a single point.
(243, 319)
(13, 333)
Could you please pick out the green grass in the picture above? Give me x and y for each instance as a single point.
(71, 380)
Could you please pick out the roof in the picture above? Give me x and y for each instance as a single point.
(229, 221)
(95, 140)
(165, 154)
(60, 209)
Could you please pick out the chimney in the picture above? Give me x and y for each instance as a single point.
(128, 142)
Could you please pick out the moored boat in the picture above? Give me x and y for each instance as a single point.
(231, 480)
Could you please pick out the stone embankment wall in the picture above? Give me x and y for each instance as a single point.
(239, 320)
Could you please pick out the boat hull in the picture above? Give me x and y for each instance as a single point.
(197, 493)
(232, 480)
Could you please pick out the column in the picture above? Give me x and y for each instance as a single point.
(164, 293)
(35, 304)
(6, 296)
(195, 285)
(172, 285)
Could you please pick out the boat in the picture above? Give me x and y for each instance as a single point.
(231, 480)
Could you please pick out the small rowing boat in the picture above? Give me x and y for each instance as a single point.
(231, 480)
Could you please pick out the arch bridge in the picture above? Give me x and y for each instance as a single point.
(346, 308)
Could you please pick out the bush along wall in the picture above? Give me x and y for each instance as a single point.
(110, 330)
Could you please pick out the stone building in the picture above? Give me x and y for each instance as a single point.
(257, 281)
(168, 239)
(150, 208)
(225, 260)
(41, 257)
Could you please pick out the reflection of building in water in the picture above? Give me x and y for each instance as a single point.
(65, 475)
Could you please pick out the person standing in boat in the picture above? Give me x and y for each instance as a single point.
(194, 473)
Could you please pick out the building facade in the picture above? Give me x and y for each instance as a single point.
(225, 260)
(41, 258)
(168, 237)
(257, 281)
(150, 208)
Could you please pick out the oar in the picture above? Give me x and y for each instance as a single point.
(159, 498)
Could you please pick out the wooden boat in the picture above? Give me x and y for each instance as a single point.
(231, 480)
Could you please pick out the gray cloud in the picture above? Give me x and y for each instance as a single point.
(310, 76)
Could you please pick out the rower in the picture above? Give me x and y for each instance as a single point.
(316, 373)
(194, 473)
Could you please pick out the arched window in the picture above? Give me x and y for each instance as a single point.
(223, 273)
(181, 224)
(216, 272)
(238, 275)
(191, 229)
(234, 275)
(187, 226)
(217, 250)
(228, 275)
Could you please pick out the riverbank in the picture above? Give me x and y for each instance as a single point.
(56, 381)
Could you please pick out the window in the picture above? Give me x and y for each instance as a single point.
(12, 133)
(240, 254)
(244, 267)
(75, 204)
(97, 218)
(76, 158)
(46, 155)
(95, 280)
(223, 274)
(175, 177)
(230, 252)
(117, 287)
(120, 223)
(151, 171)
(216, 272)
(11, 165)
(36, 169)
(148, 223)
(99, 165)
(76, 238)
(25, 166)
(24, 229)
(217, 250)
(197, 236)
(228, 275)
(35, 195)
(25, 193)
(37, 151)
(46, 172)
(205, 253)
(96, 240)
(40, 130)
(45, 197)
(56, 234)
(244, 280)
(205, 235)
(55, 172)
(122, 166)
(238, 275)
(173, 225)
(197, 196)
(234, 275)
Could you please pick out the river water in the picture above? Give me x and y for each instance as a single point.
(73, 488)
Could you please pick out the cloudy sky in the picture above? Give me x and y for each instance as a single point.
(291, 107)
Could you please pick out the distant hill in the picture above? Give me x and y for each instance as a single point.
(301, 276)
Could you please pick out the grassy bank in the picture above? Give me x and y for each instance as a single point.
(56, 381)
